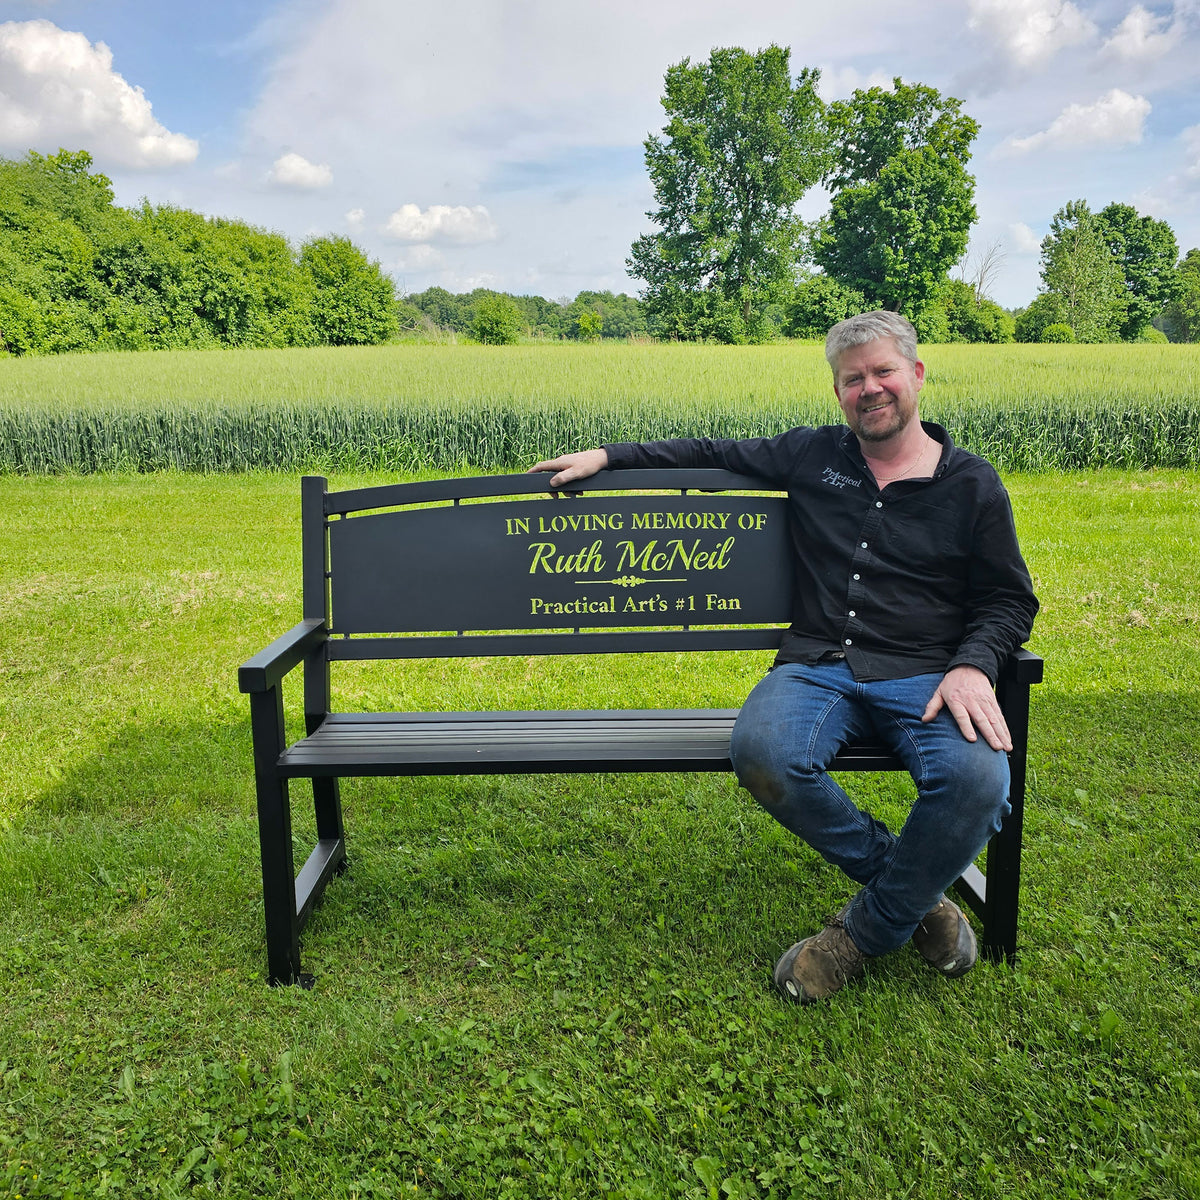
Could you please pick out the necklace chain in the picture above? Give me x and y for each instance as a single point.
(912, 466)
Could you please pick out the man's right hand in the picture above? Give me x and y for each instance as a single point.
(569, 467)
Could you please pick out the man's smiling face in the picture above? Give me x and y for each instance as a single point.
(877, 388)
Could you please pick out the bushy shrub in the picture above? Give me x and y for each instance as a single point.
(1150, 334)
(1059, 331)
(1046, 309)
(80, 273)
(818, 304)
(497, 321)
(589, 326)
(932, 324)
(353, 303)
(972, 319)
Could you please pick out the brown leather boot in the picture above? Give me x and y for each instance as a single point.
(945, 940)
(820, 965)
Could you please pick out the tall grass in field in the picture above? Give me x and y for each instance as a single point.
(427, 407)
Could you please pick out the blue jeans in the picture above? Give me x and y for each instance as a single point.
(793, 724)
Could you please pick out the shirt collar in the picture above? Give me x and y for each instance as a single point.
(849, 445)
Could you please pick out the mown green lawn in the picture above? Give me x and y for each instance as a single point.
(560, 986)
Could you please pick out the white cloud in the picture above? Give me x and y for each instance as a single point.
(483, 279)
(446, 97)
(419, 259)
(1024, 239)
(1174, 196)
(355, 218)
(838, 83)
(457, 224)
(57, 88)
(1116, 119)
(294, 171)
(1030, 32)
(1143, 36)
(1191, 143)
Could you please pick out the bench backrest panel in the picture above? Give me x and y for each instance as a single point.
(623, 553)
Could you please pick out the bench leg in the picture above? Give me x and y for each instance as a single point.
(1002, 899)
(1004, 850)
(279, 885)
(275, 840)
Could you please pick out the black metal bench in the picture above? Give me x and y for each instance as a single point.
(627, 561)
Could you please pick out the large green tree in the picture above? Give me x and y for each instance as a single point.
(1080, 270)
(1146, 251)
(903, 202)
(743, 142)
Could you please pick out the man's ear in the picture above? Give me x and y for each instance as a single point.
(919, 372)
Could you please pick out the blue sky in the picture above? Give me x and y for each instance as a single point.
(498, 143)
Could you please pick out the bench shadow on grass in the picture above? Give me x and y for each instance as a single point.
(457, 871)
(447, 872)
(159, 769)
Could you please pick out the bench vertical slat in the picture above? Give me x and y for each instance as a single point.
(312, 522)
(327, 800)
(275, 838)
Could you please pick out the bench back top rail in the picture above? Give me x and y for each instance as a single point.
(625, 561)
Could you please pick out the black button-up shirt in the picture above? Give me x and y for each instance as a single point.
(917, 577)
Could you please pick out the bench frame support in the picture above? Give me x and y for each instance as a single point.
(290, 897)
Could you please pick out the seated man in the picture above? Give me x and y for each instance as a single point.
(910, 592)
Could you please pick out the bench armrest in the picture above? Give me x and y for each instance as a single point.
(1022, 666)
(269, 666)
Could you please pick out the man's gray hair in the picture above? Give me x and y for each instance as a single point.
(869, 327)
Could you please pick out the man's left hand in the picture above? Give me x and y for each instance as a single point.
(966, 692)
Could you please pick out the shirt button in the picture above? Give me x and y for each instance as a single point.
(857, 576)
(853, 613)
(878, 503)
(863, 544)
(849, 642)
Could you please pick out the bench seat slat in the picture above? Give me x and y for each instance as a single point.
(513, 743)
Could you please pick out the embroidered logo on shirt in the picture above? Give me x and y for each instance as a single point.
(838, 480)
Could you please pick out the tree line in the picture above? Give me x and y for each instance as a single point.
(500, 318)
(732, 261)
(77, 272)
